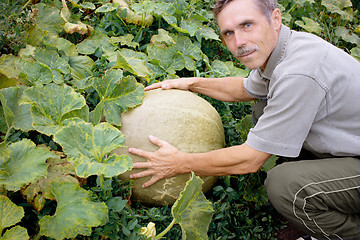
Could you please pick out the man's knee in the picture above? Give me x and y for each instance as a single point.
(280, 186)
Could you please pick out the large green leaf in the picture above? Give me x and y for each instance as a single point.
(133, 65)
(95, 41)
(226, 69)
(16, 116)
(80, 67)
(51, 58)
(339, 7)
(63, 46)
(48, 21)
(23, 163)
(52, 105)
(34, 73)
(347, 35)
(88, 148)
(75, 213)
(167, 58)
(192, 211)
(10, 214)
(309, 25)
(117, 94)
(190, 52)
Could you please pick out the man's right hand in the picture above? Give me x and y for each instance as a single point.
(179, 83)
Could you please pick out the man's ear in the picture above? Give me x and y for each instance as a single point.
(276, 19)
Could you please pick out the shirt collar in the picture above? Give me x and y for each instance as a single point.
(278, 53)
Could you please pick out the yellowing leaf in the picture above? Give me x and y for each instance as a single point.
(192, 211)
(75, 213)
(117, 94)
(17, 116)
(22, 164)
(87, 147)
(309, 25)
(340, 7)
(11, 214)
(52, 105)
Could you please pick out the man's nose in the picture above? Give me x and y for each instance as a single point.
(240, 40)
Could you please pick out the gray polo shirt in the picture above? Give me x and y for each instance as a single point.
(313, 93)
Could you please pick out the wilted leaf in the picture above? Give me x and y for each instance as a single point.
(88, 147)
(17, 116)
(59, 170)
(117, 94)
(10, 214)
(52, 105)
(309, 25)
(75, 213)
(192, 211)
(22, 164)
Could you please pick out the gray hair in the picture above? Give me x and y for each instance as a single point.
(265, 6)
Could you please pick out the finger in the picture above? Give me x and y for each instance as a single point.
(139, 165)
(151, 182)
(141, 174)
(158, 142)
(139, 152)
(153, 86)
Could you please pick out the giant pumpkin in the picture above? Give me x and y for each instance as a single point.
(181, 118)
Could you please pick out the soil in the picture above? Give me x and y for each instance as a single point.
(290, 232)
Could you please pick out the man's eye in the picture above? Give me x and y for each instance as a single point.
(228, 33)
(247, 25)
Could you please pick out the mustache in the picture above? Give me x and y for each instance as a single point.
(245, 50)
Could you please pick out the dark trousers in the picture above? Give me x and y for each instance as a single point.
(318, 193)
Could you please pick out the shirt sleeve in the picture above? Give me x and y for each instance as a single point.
(255, 85)
(293, 102)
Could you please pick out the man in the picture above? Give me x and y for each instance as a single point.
(312, 113)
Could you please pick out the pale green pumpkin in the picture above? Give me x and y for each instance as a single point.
(181, 118)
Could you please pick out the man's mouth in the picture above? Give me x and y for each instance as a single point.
(244, 52)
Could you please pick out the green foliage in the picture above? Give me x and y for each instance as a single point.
(65, 66)
(334, 21)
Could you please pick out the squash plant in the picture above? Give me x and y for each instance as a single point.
(46, 89)
(82, 61)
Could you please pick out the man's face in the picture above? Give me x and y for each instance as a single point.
(247, 33)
